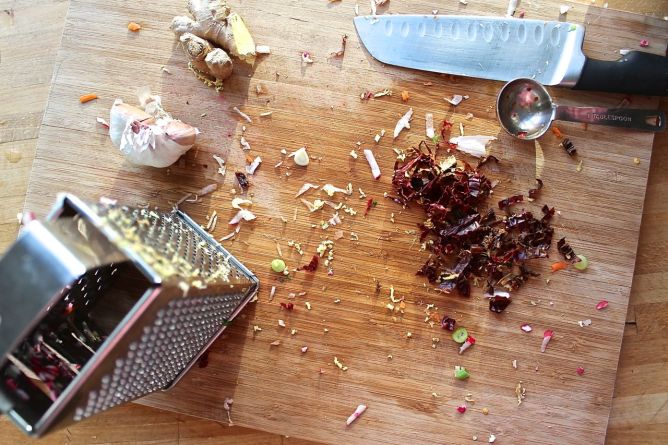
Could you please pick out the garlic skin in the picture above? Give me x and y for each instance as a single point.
(151, 136)
(474, 145)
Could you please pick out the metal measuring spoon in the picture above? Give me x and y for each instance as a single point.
(526, 110)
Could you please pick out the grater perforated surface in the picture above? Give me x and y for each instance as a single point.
(168, 243)
(84, 292)
(178, 334)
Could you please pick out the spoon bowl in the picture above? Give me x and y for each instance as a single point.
(526, 110)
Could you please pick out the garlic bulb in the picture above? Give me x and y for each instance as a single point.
(151, 136)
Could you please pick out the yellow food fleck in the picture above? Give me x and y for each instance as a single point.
(636, 161)
(485, 411)
(134, 27)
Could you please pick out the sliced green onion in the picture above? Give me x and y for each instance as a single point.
(582, 264)
(278, 265)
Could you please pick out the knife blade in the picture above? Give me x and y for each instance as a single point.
(504, 49)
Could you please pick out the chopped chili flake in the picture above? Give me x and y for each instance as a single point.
(404, 96)
(644, 43)
(203, 361)
(366, 95)
(461, 409)
(580, 370)
(312, 265)
(448, 323)
(566, 250)
(557, 132)
(533, 193)
(446, 126)
(369, 204)
(567, 145)
(505, 203)
(601, 305)
(242, 180)
(469, 242)
(287, 306)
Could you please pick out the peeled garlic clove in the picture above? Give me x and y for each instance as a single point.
(301, 157)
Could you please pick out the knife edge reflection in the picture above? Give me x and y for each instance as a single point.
(492, 48)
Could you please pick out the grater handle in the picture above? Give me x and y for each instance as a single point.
(47, 257)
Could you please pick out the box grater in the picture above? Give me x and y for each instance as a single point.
(101, 304)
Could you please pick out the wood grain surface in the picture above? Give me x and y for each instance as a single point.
(396, 387)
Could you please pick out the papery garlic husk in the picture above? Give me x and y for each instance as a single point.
(152, 137)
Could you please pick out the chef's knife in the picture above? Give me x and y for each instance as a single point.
(505, 49)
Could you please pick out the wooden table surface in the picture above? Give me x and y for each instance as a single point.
(640, 392)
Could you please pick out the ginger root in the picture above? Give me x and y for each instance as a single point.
(210, 37)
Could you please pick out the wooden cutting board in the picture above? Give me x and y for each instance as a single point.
(279, 389)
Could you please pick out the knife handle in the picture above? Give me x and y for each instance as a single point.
(636, 73)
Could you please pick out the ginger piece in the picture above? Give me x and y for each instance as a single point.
(210, 37)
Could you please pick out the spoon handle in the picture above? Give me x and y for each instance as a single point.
(647, 120)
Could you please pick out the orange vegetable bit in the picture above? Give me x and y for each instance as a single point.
(87, 98)
(134, 27)
(561, 265)
(405, 96)
(557, 131)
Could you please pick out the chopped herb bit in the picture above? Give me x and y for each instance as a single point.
(461, 373)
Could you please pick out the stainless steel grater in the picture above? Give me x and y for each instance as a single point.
(102, 304)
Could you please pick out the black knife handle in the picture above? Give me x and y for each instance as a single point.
(636, 73)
